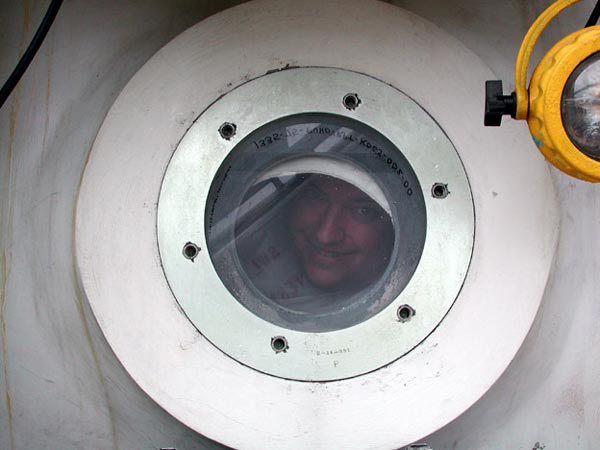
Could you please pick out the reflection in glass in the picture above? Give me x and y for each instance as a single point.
(317, 239)
(315, 222)
(581, 107)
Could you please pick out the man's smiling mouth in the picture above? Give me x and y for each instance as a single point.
(327, 252)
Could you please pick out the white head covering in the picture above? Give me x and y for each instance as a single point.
(338, 168)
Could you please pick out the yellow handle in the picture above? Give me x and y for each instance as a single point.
(524, 54)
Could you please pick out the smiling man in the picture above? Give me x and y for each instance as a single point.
(312, 242)
(343, 238)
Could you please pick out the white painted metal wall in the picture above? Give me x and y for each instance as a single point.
(61, 387)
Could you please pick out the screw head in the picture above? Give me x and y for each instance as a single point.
(405, 313)
(351, 101)
(279, 344)
(227, 130)
(190, 251)
(439, 190)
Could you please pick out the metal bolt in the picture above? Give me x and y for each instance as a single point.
(279, 344)
(405, 313)
(227, 130)
(190, 251)
(439, 190)
(351, 101)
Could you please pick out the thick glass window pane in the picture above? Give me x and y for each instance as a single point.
(315, 222)
(319, 238)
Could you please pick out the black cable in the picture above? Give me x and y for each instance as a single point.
(593, 20)
(29, 54)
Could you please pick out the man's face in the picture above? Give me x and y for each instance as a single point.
(343, 237)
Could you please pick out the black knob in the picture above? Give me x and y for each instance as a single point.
(497, 104)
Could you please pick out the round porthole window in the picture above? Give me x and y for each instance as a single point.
(310, 227)
(319, 230)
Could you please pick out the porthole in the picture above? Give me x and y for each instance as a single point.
(315, 222)
(144, 262)
(319, 223)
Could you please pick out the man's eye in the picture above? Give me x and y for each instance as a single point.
(365, 213)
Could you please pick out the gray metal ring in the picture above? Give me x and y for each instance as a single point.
(337, 354)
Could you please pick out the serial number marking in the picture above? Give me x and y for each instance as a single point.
(376, 151)
(332, 352)
(274, 137)
(299, 132)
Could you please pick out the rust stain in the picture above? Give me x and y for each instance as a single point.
(14, 104)
(8, 205)
(3, 280)
(571, 400)
(26, 16)
(4, 269)
(88, 335)
(25, 31)
(79, 303)
(47, 103)
(12, 122)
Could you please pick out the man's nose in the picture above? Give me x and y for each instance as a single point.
(330, 229)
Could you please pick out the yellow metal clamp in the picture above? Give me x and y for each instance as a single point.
(541, 104)
(545, 118)
(526, 49)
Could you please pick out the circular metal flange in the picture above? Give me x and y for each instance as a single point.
(119, 266)
(439, 275)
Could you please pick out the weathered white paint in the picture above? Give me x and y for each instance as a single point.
(123, 276)
(67, 389)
